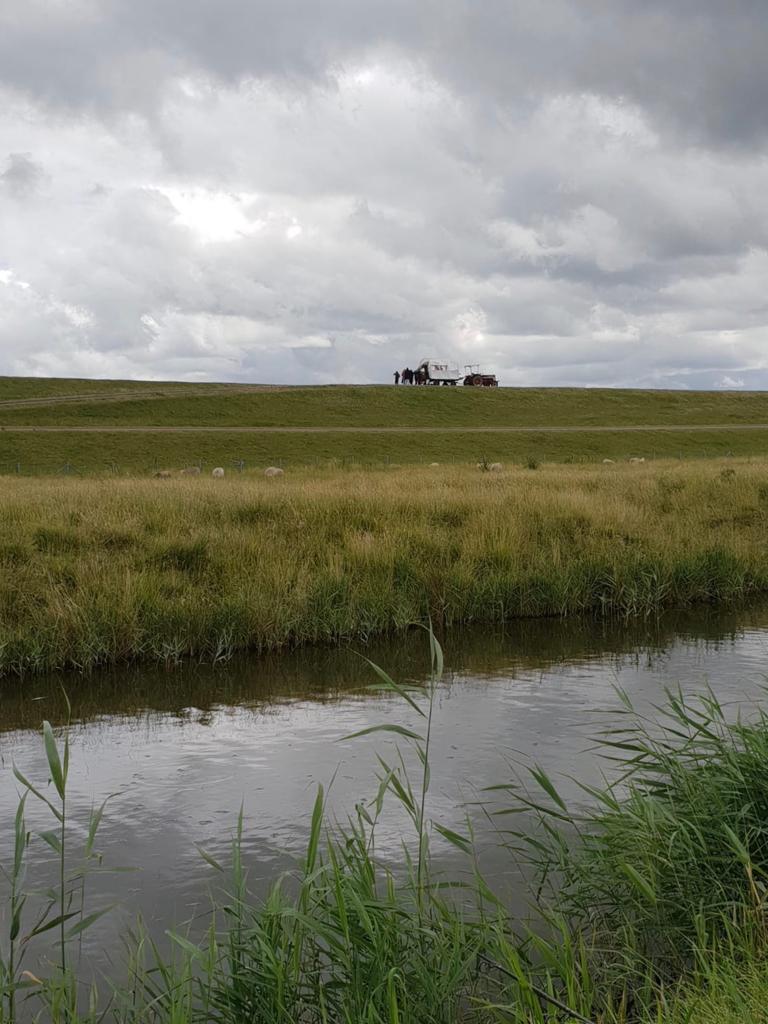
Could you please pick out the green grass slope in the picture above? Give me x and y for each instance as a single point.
(97, 405)
(32, 454)
(19, 388)
(387, 406)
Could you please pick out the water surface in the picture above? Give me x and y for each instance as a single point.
(181, 751)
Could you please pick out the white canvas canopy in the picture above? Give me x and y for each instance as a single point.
(437, 370)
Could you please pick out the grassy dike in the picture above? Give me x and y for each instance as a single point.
(94, 572)
(222, 405)
(85, 427)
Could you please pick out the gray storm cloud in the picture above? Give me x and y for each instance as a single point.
(571, 191)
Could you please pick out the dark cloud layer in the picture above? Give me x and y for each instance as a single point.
(698, 65)
(570, 190)
(21, 176)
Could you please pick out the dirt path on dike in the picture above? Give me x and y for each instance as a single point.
(640, 428)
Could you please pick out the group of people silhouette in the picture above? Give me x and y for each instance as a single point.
(409, 376)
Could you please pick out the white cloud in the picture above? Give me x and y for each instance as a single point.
(213, 216)
(7, 277)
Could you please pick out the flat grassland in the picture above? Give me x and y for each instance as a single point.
(136, 427)
(108, 570)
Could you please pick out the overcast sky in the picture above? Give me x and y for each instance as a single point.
(565, 191)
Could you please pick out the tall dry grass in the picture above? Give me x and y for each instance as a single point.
(98, 571)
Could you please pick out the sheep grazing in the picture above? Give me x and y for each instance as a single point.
(635, 459)
(273, 471)
(218, 473)
(433, 464)
(163, 474)
(495, 467)
(191, 471)
(608, 462)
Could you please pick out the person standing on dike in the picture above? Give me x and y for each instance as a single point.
(397, 376)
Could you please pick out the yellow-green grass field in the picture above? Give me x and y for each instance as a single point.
(98, 571)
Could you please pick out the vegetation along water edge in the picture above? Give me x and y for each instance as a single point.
(647, 900)
(99, 571)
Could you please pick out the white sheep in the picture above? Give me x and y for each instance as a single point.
(495, 467)
(433, 464)
(191, 471)
(608, 462)
(635, 459)
(218, 473)
(273, 471)
(163, 474)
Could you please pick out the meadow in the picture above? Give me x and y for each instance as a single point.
(103, 571)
